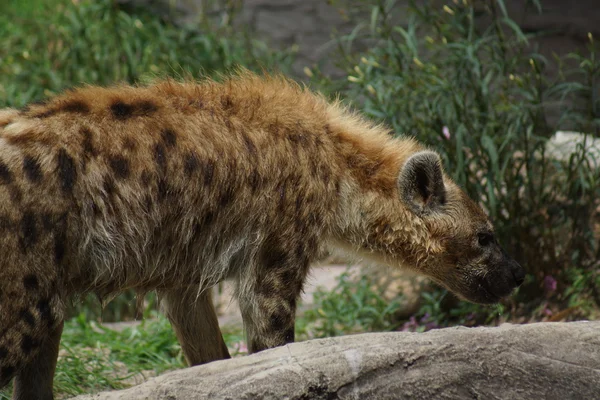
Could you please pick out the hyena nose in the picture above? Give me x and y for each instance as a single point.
(518, 273)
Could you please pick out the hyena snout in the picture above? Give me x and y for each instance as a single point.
(504, 277)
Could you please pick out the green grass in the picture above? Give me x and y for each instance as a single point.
(94, 358)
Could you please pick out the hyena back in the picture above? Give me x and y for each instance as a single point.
(178, 186)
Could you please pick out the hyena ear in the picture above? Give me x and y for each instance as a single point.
(421, 183)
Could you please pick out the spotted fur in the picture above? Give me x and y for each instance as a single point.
(177, 186)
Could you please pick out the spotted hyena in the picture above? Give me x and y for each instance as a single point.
(177, 186)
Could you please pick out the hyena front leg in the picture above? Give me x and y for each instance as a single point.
(195, 323)
(34, 381)
(268, 300)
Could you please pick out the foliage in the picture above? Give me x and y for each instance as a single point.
(352, 306)
(464, 79)
(94, 358)
(48, 47)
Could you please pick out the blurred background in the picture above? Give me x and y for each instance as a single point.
(506, 90)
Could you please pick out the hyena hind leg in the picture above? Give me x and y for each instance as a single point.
(196, 325)
(34, 381)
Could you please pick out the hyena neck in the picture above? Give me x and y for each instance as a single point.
(374, 227)
(372, 221)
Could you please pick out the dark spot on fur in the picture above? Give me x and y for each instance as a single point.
(282, 190)
(298, 139)
(95, 209)
(47, 221)
(109, 186)
(43, 307)
(129, 144)
(146, 178)
(7, 371)
(209, 172)
(300, 251)
(169, 137)
(226, 103)
(226, 197)
(250, 146)
(60, 241)
(279, 320)
(191, 164)
(5, 223)
(66, 170)
(275, 258)
(144, 107)
(208, 218)
(163, 189)
(28, 317)
(75, 106)
(3, 352)
(372, 168)
(121, 111)
(6, 176)
(45, 113)
(120, 166)
(29, 231)
(88, 142)
(160, 157)
(30, 282)
(325, 174)
(28, 344)
(32, 169)
(255, 180)
(289, 277)
(15, 194)
(299, 207)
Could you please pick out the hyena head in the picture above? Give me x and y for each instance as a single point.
(438, 231)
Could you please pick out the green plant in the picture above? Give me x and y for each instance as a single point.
(480, 95)
(354, 305)
(97, 42)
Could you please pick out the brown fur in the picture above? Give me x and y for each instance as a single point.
(177, 186)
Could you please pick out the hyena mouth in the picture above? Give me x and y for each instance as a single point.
(487, 295)
(492, 291)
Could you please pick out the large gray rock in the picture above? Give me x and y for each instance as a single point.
(536, 361)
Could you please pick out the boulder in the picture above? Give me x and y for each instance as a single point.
(535, 361)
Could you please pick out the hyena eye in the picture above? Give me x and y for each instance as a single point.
(485, 239)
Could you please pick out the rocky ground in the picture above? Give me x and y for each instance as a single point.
(534, 361)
